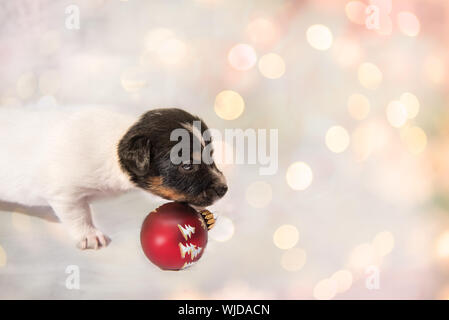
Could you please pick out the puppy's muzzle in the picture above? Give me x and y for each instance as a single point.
(220, 189)
(213, 193)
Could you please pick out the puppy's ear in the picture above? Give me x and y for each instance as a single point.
(135, 155)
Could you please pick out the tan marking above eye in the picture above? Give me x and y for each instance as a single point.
(156, 186)
(155, 181)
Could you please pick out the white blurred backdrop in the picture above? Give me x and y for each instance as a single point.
(361, 189)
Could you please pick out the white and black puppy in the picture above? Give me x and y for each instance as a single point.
(65, 158)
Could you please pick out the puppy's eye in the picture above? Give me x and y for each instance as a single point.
(187, 167)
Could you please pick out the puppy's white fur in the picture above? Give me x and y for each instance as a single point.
(62, 158)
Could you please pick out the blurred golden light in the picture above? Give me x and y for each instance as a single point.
(435, 69)
(293, 259)
(368, 138)
(442, 246)
(259, 194)
(229, 105)
(49, 82)
(156, 37)
(271, 66)
(326, 289)
(133, 79)
(223, 229)
(286, 236)
(262, 31)
(358, 106)
(396, 114)
(3, 257)
(337, 139)
(411, 103)
(362, 256)
(242, 57)
(355, 11)
(299, 176)
(343, 278)
(319, 37)
(414, 138)
(172, 51)
(383, 243)
(21, 222)
(346, 52)
(26, 85)
(369, 75)
(408, 23)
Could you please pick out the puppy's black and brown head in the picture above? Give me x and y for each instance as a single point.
(151, 157)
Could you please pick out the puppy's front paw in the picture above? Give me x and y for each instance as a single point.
(209, 218)
(93, 239)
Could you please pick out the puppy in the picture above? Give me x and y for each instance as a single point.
(66, 158)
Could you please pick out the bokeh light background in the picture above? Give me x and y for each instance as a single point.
(363, 143)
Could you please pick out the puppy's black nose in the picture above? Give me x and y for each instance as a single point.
(221, 190)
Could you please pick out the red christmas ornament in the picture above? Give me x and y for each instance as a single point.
(173, 236)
